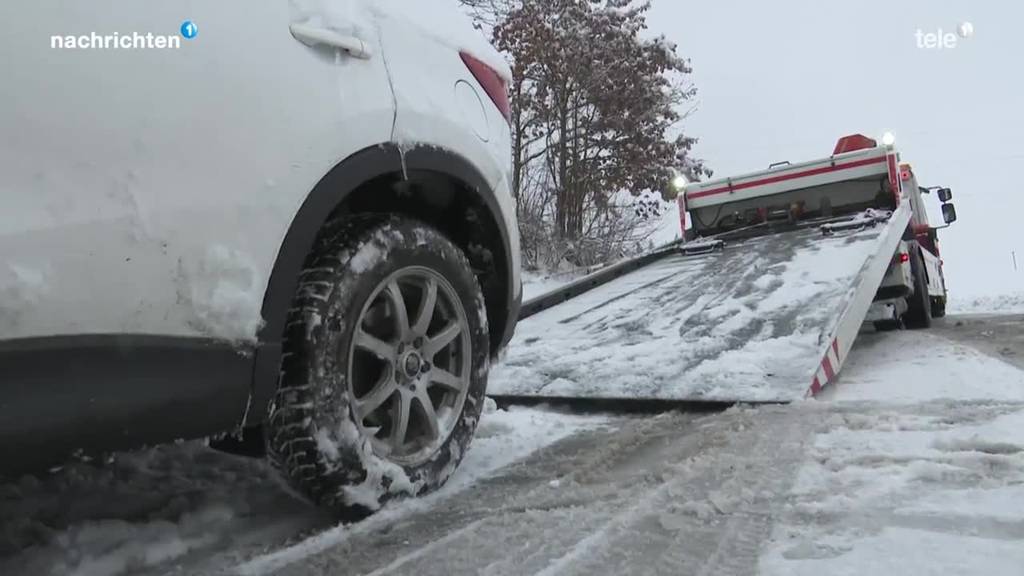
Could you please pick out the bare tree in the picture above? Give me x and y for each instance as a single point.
(601, 97)
(595, 111)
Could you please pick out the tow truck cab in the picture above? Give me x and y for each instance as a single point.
(898, 294)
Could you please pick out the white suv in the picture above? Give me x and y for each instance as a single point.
(286, 216)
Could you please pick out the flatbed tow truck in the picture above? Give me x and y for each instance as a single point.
(762, 300)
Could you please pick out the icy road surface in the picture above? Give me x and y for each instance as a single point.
(670, 330)
(913, 464)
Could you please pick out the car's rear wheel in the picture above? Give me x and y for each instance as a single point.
(385, 365)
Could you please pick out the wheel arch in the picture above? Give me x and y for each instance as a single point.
(432, 184)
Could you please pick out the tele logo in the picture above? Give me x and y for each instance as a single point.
(942, 40)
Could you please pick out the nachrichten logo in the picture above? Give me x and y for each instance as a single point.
(125, 41)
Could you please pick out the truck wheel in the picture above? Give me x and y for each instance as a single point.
(385, 366)
(919, 306)
(886, 325)
(939, 307)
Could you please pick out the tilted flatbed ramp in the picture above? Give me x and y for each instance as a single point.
(766, 319)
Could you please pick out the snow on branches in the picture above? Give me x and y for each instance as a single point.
(597, 104)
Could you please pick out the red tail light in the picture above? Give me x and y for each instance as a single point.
(904, 257)
(491, 82)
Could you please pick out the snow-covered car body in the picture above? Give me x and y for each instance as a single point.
(160, 195)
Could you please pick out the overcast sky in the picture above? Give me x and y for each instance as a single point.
(782, 80)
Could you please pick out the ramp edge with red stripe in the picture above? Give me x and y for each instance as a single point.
(842, 336)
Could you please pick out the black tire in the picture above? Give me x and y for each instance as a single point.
(313, 433)
(939, 307)
(919, 305)
(887, 325)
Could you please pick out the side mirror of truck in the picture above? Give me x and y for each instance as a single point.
(949, 213)
(945, 195)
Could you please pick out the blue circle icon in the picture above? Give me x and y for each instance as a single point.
(189, 29)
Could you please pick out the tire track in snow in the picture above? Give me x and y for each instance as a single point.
(665, 495)
(509, 509)
(711, 514)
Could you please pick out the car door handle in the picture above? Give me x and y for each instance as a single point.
(315, 36)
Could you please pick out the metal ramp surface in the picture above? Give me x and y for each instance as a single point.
(766, 319)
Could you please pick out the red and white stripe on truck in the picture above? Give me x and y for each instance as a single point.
(834, 352)
(827, 370)
(854, 157)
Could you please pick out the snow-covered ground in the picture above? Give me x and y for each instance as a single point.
(919, 469)
(504, 437)
(913, 463)
(156, 508)
(1012, 303)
